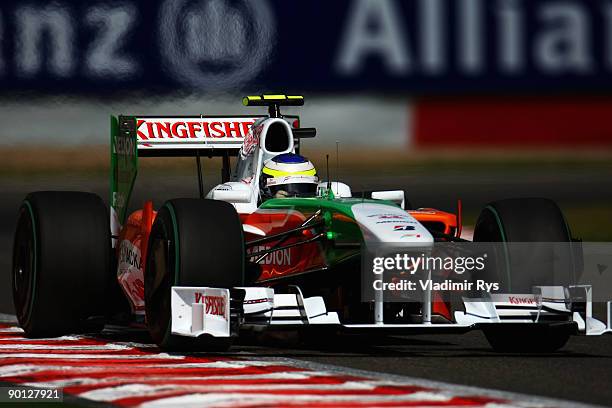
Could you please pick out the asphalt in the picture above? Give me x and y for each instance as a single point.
(582, 371)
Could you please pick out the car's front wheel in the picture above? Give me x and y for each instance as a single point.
(524, 221)
(193, 242)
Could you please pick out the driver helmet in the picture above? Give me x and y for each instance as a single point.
(288, 175)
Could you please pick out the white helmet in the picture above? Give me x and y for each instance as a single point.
(288, 175)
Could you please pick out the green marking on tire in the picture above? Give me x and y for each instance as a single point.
(571, 243)
(35, 268)
(168, 334)
(176, 243)
(242, 280)
(504, 240)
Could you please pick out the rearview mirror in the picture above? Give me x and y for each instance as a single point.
(396, 196)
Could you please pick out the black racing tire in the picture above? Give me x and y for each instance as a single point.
(522, 220)
(61, 263)
(193, 242)
(533, 338)
(530, 220)
(536, 221)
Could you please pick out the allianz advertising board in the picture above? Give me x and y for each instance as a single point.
(416, 46)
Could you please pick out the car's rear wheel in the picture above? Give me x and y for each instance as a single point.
(527, 220)
(193, 242)
(61, 256)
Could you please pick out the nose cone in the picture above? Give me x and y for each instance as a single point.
(383, 223)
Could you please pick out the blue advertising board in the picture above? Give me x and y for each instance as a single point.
(398, 46)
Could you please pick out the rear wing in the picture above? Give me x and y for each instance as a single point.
(158, 136)
(177, 136)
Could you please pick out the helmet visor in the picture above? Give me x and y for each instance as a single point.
(295, 189)
(293, 186)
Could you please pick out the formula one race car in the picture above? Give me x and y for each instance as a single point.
(271, 247)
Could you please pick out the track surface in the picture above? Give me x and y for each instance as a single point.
(582, 372)
(105, 370)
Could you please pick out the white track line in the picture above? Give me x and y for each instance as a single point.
(52, 339)
(84, 381)
(11, 330)
(245, 400)
(140, 390)
(100, 347)
(225, 395)
(13, 370)
(50, 356)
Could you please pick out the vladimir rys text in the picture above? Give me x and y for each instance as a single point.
(403, 272)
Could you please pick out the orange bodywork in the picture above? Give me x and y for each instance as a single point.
(131, 253)
(447, 223)
(286, 261)
(429, 217)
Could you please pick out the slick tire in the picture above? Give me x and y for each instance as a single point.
(61, 263)
(527, 220)
(531, 338)
(193, 242)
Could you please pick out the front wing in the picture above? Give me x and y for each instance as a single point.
(198, 311)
